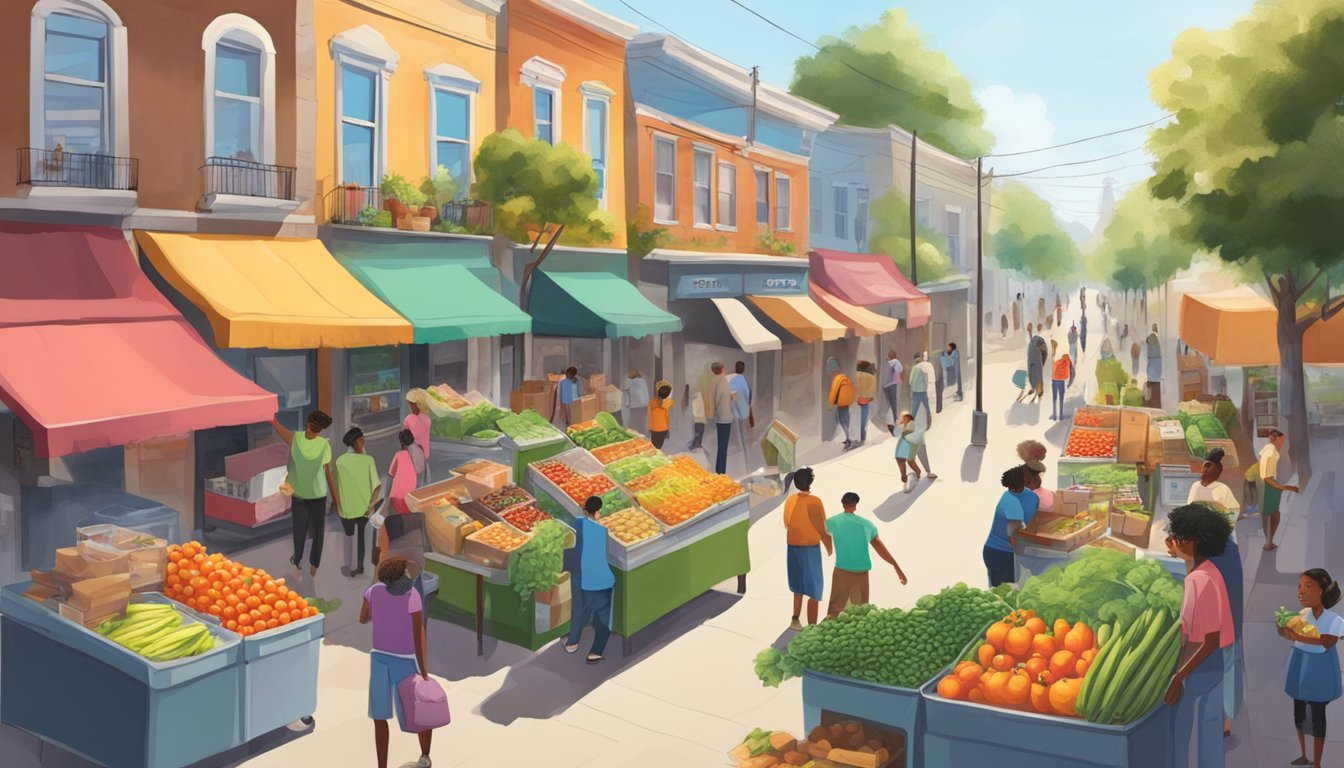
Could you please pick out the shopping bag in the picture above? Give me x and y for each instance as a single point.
(424, 703)
(1020, 379)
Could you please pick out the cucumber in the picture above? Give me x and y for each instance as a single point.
(1154, 677)
(1115, 652)
(1104, 634)
(1094, 682)
(1122, 686)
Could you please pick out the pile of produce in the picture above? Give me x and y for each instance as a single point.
(1296, 622)
(246, 600)
(507, 497)
(445, 396)
(617, 451)
(537, 566)
(1133, 669)
(1090, 418)
(630, 526)
(1208, 424)
(525, 518)
(384, 385)
(499, 536)
(887, 646)
(625, 470)
(527, 427)
(602, 430)
(556, 471)
(679, 499)
(155, 631)
(1100, 587)
(475, 421)
(1114, 475)
(580, 487)
(1090, 443)
(681, 465)
(827, 746)
(1023, 664)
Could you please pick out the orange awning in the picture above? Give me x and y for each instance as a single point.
(800, 316)
(863, 322)
(1240, 327)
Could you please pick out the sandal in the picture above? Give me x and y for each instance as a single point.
(571, 648)
(594, 658)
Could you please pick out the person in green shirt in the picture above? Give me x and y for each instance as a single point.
(853, 535)
(309, 481)
(357, 484)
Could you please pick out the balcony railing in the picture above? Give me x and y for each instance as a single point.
(58, 168)
(366, 207)
(245, 178)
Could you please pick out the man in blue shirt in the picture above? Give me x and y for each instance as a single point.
(596, 583)
(567, 392)
(740, 391)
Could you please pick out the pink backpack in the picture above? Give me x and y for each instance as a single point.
(425, 704)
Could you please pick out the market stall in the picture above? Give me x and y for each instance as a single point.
(173, 642)
(465, 427)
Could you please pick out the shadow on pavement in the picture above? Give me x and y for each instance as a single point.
(552, 681)
(972, 460)
(1024, 413)
(899, 503)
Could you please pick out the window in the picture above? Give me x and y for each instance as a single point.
(75, 89)
(762, 197)
(240, 90)
(727, 196)
(953, 223)
(359, 126)
(452, 135)
(595, 128)
(922, 216)
(704, 206)
(842, 212)
(814, 203)
(664, 179)
(543, 114)
(783, 222)
(861, 218)
(374, 381)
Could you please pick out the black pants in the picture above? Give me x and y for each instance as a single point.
(355, 527)
(725, 433)
(310, 519)
(1309, 726)
(1002, 566)
(658, 437)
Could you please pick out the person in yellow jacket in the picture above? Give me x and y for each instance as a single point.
(660, 408)
(841, 397)
(866, 380)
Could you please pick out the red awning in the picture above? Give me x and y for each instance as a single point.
(94, 356)
(868, 280)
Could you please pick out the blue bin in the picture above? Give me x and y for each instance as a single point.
(958, 733)
(71, 686)
(278, 676)
(897, 709)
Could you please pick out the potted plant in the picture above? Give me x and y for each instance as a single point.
(439, 189)
(400, 197)
(368, 215)
(354, 199)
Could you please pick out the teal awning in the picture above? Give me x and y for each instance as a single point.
(594, 305)
(444, 295)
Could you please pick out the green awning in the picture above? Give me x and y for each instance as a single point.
(594, 305)
(442, 301)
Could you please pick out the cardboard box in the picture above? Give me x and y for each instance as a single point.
(92, 616)
(448, 527)
(536, 395)
(232, 509)
(248, 464)
(594, 382)
(76, 563)
(483, 476)
(609, 398)
(1072, 501)
(484, 554)
(548, 617)
(583, 409)
(561, 593)
(1133, 438)
(422, 499)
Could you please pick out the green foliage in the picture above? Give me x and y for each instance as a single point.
(1141, 248)
(1100, 587)
(534, 186)
(768, 242)
(1026, 238)
(395, 186)
(891, 235)
(536, 565)
(641, 236)
(440, 188)
(892, 50)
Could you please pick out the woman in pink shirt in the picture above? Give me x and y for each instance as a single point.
(404, 472)
(1195, 533)
(418, 423)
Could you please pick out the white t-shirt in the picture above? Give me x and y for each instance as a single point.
(1328, 623)
(1216, 492)
(1269, 462)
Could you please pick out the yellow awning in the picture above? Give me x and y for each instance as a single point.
(800, 316)
(272, 292)
(863, 321)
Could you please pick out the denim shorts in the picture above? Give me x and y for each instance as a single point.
(385, 672)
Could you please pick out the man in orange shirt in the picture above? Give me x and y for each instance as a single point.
(805, 520)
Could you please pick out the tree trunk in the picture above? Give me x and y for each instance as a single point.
(1292, 381)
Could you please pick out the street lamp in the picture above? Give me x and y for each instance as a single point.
(979, 419)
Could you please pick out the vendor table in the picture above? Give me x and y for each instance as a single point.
(472, 592)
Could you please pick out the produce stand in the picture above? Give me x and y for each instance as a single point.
(477, 596)
(898, 711)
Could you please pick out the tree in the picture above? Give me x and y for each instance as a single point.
(1026, 238)
(1253, 159)
(1141, 248)
(857, 77)
(534, 187)
(891, 235)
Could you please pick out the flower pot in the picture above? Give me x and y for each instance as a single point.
(420, 223)
(354, 203)
(395, 207)
(404, 222)
(429, 212)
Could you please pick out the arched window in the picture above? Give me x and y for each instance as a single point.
(78, 78)
(239, 90)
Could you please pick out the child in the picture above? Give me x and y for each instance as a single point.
(1313, 669)
(659, 415)
(357, 482)
(395, 609)
(907, 448)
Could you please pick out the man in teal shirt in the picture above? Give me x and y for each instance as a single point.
(853, 535)
(597, 584)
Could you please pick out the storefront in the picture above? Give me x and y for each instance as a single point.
(107, 388)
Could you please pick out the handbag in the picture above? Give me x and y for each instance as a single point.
(423, 703)
(1020, 379)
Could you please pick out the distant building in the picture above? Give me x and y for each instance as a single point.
(1106, 206)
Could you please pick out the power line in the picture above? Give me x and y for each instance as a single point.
(1075, 162)
(649, 19)
(1080, 141)
(1088, 175)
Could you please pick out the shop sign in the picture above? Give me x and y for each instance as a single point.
(776, 284)
(708, 286)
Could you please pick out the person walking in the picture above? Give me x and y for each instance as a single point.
(418, 422)
(660, 408)
(1040, 311)
(636, 396)
(951, 363)
(909, 450)
(309, 478)
(805, 521)
(1135, 351)
(357, 485)
(1210, 490)
(841, 396)
(1273, 494)
(1017, 313)
(403, 473)
(397, 612)
(1059, 312)
(1059, 381)
(698, 419)
(1073, 350)
(721, 410)
(1010, 516)
(1035, 367)
(568, 390)
(743, 418)
(1003, 325)
(853, 535)
(921, 378)
(1154, 356)
(866, 388)
(1082, 332)
(1196, 533)
(1313, 679)
(597, 584)
(892, 387)
(1082, 300)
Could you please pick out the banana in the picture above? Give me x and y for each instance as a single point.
(144, 630)
(172, 639)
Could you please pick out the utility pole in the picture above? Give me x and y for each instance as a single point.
(979, 419)
(914, 270)
(751, 126)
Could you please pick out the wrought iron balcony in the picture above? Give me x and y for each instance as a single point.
(58, 168)
(245, 178)
(366, 207)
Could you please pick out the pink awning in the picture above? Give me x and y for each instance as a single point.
(868, 280)
(93, 356)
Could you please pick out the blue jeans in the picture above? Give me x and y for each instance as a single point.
(917, 399)
(725, 433)
(385, 673)
(1002, 566)
(1057, 397)
(842, 420)
(863, 420)
(1200, 713)
(593, 610)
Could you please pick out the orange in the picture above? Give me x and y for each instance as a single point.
(272, 623)
(1018, 641)
(172, 567)
(269, 598)
(264, 609)
(1079, 639)
(1002, 662)
(204, 601)
(244, 619)
(1089, 654)
(253, 601)
(1063, 663)
(1036, 625)
(976, 695)
(968, 672)
(951, 687)
(997, 633)
(309, 612)
(1035, 666)
(985, 654)
(269, 585)
(1082, 666)
(1040, 699)
(231, 625)
(1018, 688)
(1044, 645)
(188, 591)
(284, 619)
(1061, 629)
(229, 612)
(214, 610)
(1064, 696)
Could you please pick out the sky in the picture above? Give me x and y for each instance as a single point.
(1046, 71)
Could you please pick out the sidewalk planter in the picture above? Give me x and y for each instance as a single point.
(279, 676)
(72, 687)
(960, 733)
(899, 709)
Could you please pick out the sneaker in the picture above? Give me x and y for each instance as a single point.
(423, 762)
(909, 486)
(796, 625)
(931, 477)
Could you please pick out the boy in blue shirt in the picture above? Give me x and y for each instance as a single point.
(597, 584)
